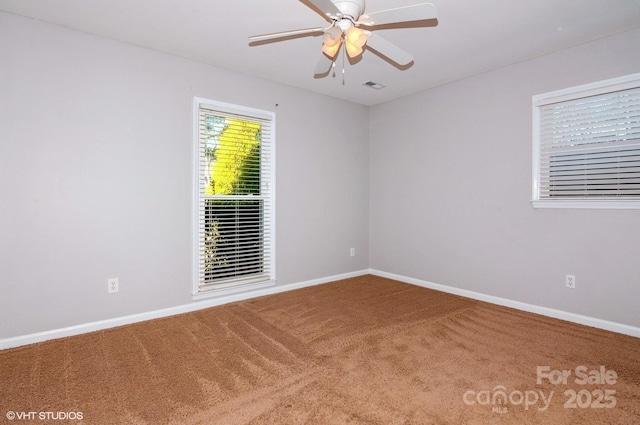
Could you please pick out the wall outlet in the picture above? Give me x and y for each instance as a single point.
(113, 285)
(353, 252)
(571, 281)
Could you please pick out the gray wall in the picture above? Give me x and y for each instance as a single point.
(451, 184)
(96, 174)
(95, 165)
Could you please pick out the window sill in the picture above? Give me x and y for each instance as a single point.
(588, 204)
(222, 292)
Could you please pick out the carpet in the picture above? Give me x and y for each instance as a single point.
(366, 350)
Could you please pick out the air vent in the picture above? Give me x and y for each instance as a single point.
(373, 85)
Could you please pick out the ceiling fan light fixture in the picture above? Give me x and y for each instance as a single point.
(330, 51)
(332, 39)
(352, 49)
(356, 36)
(355, 40)
(332, 36)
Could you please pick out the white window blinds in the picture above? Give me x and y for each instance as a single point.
(588, 146)
(235, 196)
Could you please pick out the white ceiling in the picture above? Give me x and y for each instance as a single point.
(471, 36)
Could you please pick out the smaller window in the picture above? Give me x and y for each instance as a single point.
(234, 198)
(586, 146)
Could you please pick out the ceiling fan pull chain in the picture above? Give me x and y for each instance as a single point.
(344, 53)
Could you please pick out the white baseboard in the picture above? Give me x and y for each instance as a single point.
(544, 311)
(212, 302)
(171, 311)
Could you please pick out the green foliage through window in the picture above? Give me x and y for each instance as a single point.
(233, 155)
(233, 227)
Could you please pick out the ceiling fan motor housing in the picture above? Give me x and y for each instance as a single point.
(351, 8)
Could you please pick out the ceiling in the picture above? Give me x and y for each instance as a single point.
(470, 36)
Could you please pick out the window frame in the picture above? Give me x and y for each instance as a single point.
(573, 93)
(200, 291)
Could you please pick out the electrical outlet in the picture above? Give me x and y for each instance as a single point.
(113, 285)
(571, 281)
(353, 252)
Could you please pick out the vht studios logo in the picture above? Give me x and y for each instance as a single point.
(500, 399)
(44, 416)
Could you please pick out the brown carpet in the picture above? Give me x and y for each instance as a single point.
(366, 350)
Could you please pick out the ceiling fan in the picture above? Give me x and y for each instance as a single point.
(346, 17)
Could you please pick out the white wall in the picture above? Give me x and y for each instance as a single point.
(451, 184)
(96, 173)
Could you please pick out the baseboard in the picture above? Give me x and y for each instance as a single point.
(544, 311)
(171, 311)
(212, 302)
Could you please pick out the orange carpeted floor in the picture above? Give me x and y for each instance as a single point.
(366, 350)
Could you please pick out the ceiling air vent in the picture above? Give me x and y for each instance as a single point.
(373, 85)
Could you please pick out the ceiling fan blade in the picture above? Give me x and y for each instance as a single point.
(325, 6)
(417, 12)
(389, 50)
(323, 66)
(255, 39)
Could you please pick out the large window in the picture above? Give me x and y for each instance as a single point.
(234, 241)
(586, 144)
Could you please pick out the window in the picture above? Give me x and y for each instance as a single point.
(586, 146)
(234, 231)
